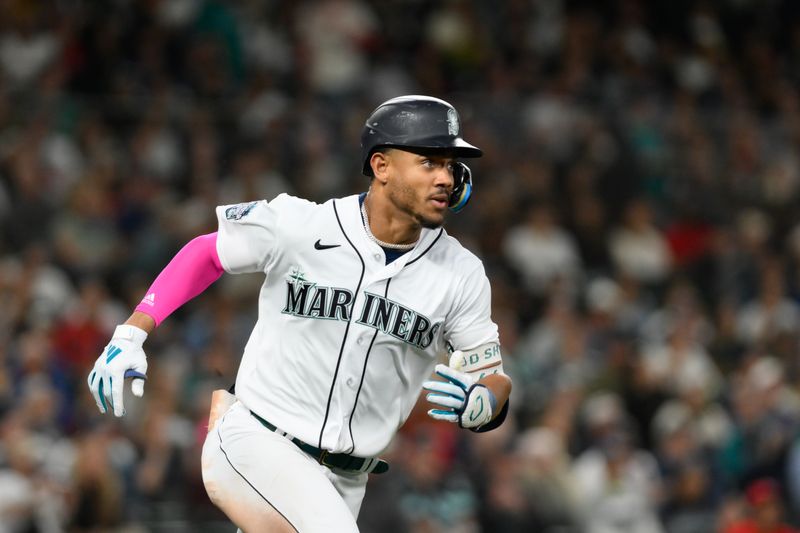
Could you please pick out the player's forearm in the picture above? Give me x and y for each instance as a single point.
(190, 272)
(500, 385)
(142, 321)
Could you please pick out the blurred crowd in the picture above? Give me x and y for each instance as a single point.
(636, 210)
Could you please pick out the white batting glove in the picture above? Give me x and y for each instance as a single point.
(466, 403)
(123, 357)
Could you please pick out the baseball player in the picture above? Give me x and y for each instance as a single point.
(362, 297)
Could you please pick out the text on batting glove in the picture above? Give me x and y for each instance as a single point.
(460, 398)
(123, 357)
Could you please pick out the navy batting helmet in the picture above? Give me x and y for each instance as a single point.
(423, 123)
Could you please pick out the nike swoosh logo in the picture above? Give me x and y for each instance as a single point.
(319, 246)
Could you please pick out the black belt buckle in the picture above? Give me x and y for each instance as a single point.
(324, 455)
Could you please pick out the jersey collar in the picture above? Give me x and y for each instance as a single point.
(349, 212)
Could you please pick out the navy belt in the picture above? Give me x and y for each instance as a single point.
(342, 461)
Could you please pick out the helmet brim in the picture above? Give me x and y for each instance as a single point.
(458, 148)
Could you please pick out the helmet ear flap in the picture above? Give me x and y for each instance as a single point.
(462, 188)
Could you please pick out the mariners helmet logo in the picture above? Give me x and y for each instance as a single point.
(452, 122)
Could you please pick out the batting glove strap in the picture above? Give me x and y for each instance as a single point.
(478, 408)
(133, 334)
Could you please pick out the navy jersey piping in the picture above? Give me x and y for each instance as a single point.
(364, 373)
(347, 328)
(428, 248)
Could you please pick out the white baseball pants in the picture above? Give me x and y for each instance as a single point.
(263, 482)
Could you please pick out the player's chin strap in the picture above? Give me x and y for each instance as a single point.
(462, 189)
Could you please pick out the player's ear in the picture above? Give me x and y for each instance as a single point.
(379, 161)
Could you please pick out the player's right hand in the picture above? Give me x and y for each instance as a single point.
(122, 357)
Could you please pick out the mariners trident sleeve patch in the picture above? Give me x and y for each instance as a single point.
(239, 211)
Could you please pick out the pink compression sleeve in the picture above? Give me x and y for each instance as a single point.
(189, 273)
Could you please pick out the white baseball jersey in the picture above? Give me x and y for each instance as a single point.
(344, 341)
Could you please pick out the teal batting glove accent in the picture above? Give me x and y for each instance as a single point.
(475, 413)
(113, 351)
(102, 397)
(453, 376)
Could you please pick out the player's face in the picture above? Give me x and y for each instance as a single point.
(420, 186)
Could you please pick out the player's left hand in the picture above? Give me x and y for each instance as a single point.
(465, 402)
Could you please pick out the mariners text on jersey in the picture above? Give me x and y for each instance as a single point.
(309, 300)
